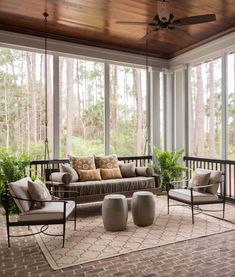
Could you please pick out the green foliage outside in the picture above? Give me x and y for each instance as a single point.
(168, 165)
(12, 168)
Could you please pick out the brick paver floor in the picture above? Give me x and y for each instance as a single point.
(208, 256)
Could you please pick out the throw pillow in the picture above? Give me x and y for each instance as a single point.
(20, 189)
(199, 179)
(82, 163)
(61, 177)
(107, 162)
(144, 171)
(215, 178)
(68, 168)
(89, 175)
(127, 170)
(39, 191)
(113, 173)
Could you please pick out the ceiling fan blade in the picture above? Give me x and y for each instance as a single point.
(148, 36)
(194, 19)
(179, 33)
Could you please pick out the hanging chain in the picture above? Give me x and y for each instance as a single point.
(46, 153)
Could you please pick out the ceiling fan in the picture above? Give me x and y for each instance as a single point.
(166, 21)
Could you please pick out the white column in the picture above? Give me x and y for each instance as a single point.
(224, 145)
(180, 106)
(169, 109)
(155, 131)
(56, 107)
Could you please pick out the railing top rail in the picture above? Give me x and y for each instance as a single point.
(57, 161)
(187, 158)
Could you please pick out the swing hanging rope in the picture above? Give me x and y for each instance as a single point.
(46, 152)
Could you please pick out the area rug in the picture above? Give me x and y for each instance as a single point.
(91, 242)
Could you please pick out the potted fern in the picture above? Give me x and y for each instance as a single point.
(168, 165)
(12, 168)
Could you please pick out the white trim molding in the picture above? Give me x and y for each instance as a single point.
(33, 42)
(205, 52)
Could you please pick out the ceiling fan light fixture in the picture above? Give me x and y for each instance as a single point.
(163, 10)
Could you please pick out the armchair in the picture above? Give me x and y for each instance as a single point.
(52, 211)
(200, 194)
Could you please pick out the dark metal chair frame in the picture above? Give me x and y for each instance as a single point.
(192, 203)
(45, 223)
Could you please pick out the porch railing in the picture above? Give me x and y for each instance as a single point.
(227, 166)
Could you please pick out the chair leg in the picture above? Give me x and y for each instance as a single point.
(64, 224)
(192, 214)
(223, 209)
(168, 204)
(8, 236)
(75, 217)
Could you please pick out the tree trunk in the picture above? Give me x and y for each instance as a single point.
(139, 112)
(212, 114)
(69, 105)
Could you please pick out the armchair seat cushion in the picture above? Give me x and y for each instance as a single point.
(51, 211)
(185, 195)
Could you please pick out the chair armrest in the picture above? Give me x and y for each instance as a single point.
(41, 201)
(172, 183)
(206, 186)
(73, 192)
(180, 181)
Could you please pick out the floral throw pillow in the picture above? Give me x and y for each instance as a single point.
(82, 163)
(107, 162)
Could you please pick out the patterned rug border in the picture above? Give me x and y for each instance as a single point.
(54, 266)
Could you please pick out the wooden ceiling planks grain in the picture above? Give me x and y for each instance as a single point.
(92, 22)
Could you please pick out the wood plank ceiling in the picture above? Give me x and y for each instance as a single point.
(93, 22)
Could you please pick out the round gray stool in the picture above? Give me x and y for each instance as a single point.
(143, 208)
(115, 212)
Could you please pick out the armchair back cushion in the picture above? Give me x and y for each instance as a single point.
(214, 178)
(39, 191)
(20, 189)
(200, 178)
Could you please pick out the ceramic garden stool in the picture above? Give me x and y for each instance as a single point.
(143, 208)
(115, 212)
